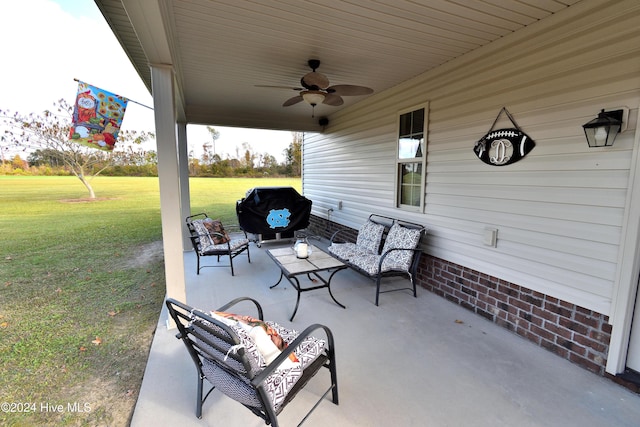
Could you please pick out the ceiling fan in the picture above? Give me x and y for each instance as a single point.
(316, 90)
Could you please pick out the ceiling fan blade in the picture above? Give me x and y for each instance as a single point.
(333, 100)
(280, 87)
(349, 90)
(315, 81)
(292, 101)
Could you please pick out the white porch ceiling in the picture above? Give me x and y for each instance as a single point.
(221, 49)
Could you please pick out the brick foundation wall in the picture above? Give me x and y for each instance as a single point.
(324, 228)
(572, 332)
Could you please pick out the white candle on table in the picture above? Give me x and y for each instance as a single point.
(303, 250)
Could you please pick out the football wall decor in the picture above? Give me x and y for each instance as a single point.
(503, 147)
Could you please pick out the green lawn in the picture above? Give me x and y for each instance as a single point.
(79, 299)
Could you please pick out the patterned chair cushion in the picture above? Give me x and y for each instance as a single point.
(367, 242)
(400, 237)
(265, 337)
(278, 384)
(213, 243)
(370, 236)
(203, 234)
(232, 245)
(368, 263)
(232, 386)
(343, 251)
(256, 362)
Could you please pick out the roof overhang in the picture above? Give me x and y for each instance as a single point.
(224, 51)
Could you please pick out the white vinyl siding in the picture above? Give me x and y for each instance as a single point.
(560, 210)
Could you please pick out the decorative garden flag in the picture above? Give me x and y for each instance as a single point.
(97, 117)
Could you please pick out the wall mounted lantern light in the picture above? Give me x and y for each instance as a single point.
(602, 131)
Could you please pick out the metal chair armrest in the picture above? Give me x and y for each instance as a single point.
(271, 368)
(239, 300)
(334, 235)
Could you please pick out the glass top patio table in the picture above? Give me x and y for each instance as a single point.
(318, 261)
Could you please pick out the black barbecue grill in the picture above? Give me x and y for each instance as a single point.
(273, 213)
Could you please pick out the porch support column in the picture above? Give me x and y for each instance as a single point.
(169, 179)
(626, 289)
(185, 195)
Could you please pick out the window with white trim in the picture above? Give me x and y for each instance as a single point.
(410, 159)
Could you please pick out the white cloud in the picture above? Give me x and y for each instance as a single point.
(46, 46)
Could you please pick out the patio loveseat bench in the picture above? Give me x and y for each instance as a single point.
(384, 247)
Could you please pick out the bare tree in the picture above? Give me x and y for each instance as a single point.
(209, 155)
(50, 131)
(249, 157)
(293, 154)
(214, 137)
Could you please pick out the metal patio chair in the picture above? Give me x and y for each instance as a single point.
(225, 356)
(209, 238)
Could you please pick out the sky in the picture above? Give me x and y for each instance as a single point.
(46, 44)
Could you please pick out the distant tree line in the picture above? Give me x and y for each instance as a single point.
(136, 162)
(44, 140)
(247, 162)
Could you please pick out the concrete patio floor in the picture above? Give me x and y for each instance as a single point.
(409, 362)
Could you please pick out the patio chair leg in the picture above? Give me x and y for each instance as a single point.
(198, 262)
(199, 398)
(334, 379)
(377, 289)
(231, 262)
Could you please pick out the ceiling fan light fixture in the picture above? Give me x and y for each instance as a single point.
(316, 90)
(313, 97)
